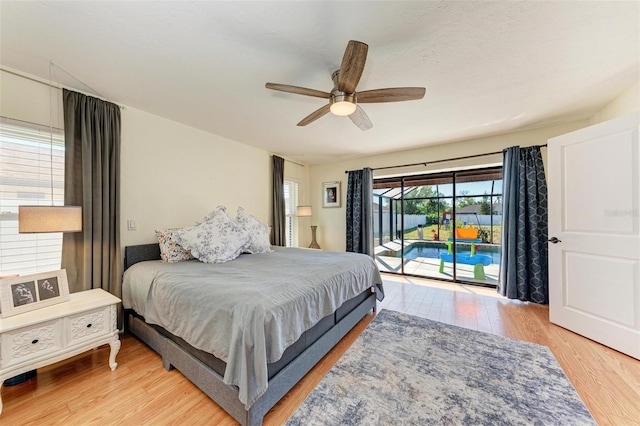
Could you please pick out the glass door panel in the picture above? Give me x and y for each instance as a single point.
(477, 233)
(386, 227)
(444, 226)
(427, 214)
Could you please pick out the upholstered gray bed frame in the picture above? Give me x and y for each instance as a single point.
(210, 382)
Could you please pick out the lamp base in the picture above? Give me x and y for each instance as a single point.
(314, 244)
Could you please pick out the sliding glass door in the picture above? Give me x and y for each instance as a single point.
(444, 226)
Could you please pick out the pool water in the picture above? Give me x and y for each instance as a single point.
(431, 250)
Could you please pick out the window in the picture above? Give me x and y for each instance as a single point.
(26, 171)
(421, 221)
(291, 220)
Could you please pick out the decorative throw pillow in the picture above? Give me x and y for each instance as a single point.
(170, 250)
(258, 233)
(218, 239)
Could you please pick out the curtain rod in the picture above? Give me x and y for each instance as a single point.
(426, 163)
(58, 85)
(301, 165)
(293, 162)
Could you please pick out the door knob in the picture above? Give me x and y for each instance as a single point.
(554, 240)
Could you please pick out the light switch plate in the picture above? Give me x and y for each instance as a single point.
(131, 224)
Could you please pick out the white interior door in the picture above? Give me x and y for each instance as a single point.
(594, 268)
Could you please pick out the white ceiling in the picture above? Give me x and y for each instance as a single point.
(488, 67)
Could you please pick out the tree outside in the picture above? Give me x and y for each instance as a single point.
(425, 200)
(436, 208)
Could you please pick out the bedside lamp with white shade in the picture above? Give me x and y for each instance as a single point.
(51, 218)
(44, 219)
(306, 211)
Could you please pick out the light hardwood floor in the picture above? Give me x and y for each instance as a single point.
(83, 390)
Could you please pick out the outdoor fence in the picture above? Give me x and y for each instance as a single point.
(479, 219)
(410, 221)
(413, 220)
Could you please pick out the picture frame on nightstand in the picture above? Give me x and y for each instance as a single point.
(30, 292)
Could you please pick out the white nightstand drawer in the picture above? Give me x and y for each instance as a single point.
(88, 325)
(33, 339)
(31, 342)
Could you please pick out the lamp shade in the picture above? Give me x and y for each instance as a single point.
(304, 211)
(41, 219)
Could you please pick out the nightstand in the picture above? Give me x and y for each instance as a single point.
(44, 336)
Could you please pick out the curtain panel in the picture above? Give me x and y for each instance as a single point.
(92, 180)
(360, 211)
(278, 206)
(524, 265)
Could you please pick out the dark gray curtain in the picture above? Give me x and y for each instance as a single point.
(278, 213)
(523, 268)
(360, 211)
(92, 180)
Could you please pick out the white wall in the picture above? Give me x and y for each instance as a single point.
(626, 103)
(28, 100)
(331, 222)
(171, 174)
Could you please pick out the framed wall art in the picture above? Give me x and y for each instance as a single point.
(29, 292)
(331, 195)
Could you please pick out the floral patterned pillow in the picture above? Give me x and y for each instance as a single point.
(170, 250)
(218, 239)
(213, 213)
(258, 233)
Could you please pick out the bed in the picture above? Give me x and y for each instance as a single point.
(253, 326)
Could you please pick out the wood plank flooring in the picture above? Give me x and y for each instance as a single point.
(83, 390)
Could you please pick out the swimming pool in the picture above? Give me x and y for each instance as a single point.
(433, 251)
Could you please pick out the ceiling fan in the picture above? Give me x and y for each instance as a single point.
(343, 99)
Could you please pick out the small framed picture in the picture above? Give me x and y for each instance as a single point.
(29, 292)
(331, 194)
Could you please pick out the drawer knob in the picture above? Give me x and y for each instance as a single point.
(89, 325)
(34, 341)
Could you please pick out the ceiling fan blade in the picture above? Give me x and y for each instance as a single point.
(298, 90)
(361, 119)
(314, 115)
(396, 94)
(352, 66)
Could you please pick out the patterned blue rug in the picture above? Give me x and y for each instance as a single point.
(405, 370)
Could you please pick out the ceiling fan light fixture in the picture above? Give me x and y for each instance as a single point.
(344, 98)
(343, 104)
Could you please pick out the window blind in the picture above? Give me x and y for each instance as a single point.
(291, 220)
(31, 173)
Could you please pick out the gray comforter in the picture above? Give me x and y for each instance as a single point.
(247, 311)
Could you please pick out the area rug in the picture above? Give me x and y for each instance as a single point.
(406, 370)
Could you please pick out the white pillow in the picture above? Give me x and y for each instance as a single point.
(213, 213)
(258, 233)
(218, 239)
